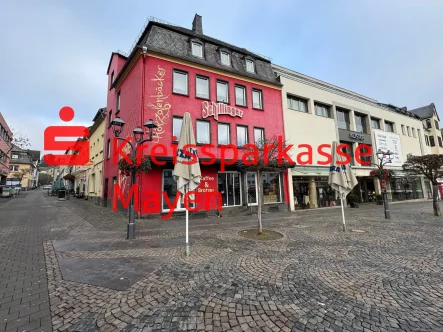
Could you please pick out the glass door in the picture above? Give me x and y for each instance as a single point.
(170, 188)
(229, 188)
(251, 185)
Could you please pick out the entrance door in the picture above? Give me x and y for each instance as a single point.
(251, 185)
(105, 194)
(170, 188)
(230, 188)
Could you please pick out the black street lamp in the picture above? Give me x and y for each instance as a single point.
(117, 128)
(384, 158)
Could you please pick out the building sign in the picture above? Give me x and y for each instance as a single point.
(160, 105)
(216, 109)
(357, 136)
(389, 141)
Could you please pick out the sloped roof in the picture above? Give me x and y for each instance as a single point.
(424, 112)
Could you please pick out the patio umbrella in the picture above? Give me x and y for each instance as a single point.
(341, 178)
(187, 171)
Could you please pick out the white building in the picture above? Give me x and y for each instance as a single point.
(317, 113)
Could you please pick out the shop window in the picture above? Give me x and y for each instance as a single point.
(389, 127)
(176, 127)
(223, 134)
(360, 123)
(222, 92)
(180, 82)
(259, 137)
(229, 186)
(242, 135)
(343, 119)
(257, 99)
(431, 140)
(197, 49)
(302, 186)
(202, 87)
(405, 188)
(297, 104)
(322, 110)
(439, 142)
(375, 123)
(271, 187)
(170, 190)
(427, 140)
(250, 66)
(225, 58)
(203, 132)
(240, 95)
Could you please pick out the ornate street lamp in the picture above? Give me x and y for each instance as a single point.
(384, 158)
(117, 128)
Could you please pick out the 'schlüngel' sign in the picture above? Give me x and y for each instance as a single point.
(216, 109)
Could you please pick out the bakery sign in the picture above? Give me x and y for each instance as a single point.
(216, 109)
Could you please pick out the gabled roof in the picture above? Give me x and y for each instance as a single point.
(110, 59)
(425, 112)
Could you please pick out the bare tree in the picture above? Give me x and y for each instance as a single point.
(20, 174)
(20, 140)
(44, 178)
(264, 156)
(431, 166)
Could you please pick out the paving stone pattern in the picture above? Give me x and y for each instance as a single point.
(316, 278)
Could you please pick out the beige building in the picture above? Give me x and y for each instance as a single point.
(94, 174)
(431, 126)
(23, 168)
(317, 113)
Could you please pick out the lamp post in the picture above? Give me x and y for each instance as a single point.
(384, 158)
(117, 128)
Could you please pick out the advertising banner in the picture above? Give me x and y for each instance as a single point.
(389, 141)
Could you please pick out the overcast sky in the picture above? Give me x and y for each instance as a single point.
(55, 53)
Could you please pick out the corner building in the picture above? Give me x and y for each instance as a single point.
(233, 98)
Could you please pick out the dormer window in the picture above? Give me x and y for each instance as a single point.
(225, 58)
(250, 66)
(197, 49)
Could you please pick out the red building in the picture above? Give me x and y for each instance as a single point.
(233, 98)
(5, 149)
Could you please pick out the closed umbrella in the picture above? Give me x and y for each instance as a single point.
(187, 170)
(341, 178)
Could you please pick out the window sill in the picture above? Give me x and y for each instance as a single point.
(180, 94)
(304, 112)
(202, 144)
(257, 109)
(203, 98)
(223, 102)
(244, 106)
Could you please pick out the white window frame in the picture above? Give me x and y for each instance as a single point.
(250, 66)
(197, 77)
(244, 95)
(180, 72)
(173, 126)
(209, 131)
(260, 97)
(194, 47)
(220, 124)
(294, 99)
(247, 135)
(228, 62)
(227, 91)
(262, 137)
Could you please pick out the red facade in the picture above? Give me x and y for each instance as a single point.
(5, 149)
(146, 92)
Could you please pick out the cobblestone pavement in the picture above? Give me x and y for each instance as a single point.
(386, 277)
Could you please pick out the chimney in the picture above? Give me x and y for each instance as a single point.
(197, 25)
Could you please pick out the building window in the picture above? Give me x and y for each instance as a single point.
(413, 132)
(343, 119)
(250, 66)
(223, 134)
(428, 123)
(203, 132)
(118, 103)
(431, 140)
(259, 137)
(112, 77)
(225, 58)
(408, 130)
(176, 127)
(322, 110)
(110, 118)
(440, 144)
(14, 156)
(297, 104)
(108, 151)
(360, 123)
(222, 92)
(436, 124)
(389, 127)
(197, 49)
(242, 135)
(403, 130)
(202, 87)
(271, 187)
(257, 99)
(375, 123)
(180, 82)
(240, 95)
(427, 140)
(13, 168)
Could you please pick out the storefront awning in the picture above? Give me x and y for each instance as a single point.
(310, 170)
